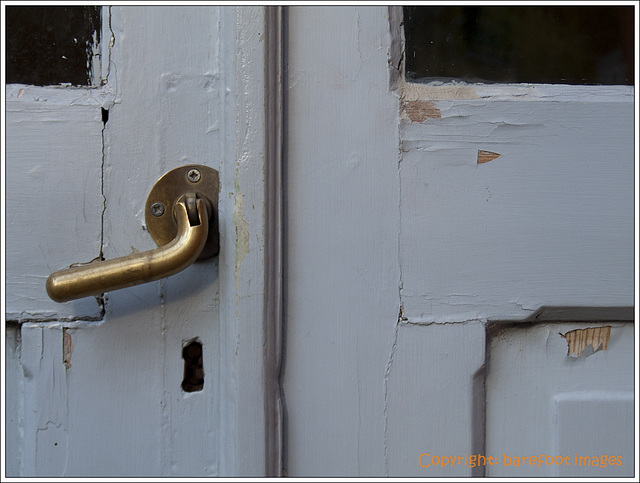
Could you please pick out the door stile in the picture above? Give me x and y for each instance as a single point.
(274, 86)
(251, 194)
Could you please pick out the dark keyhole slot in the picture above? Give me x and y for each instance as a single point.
(193, 370)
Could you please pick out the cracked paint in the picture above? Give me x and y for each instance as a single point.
(387, 372)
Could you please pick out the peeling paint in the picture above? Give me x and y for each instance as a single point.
(578, 340)
(486, 156)
(414, 92)
(67, 348)
(420, 111)
(454, 90)
(242, 233)
(52, 319)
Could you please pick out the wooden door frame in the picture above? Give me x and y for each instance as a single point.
(258, 175)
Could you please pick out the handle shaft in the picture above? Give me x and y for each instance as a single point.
(104, 276)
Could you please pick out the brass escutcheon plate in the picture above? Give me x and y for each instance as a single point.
(191, 178)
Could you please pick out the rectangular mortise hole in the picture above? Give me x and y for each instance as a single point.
(193, 368)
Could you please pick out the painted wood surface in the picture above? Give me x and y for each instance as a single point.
(508, 206)
(409, 227)
(543, 399)
(53, 168)
(169, 95)
(250, 357)
(341, 242)
(435, 397)
(100, 392)
(13, 400)
(385, 311)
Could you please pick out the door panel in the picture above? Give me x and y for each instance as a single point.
(55, 138)
(543, 398)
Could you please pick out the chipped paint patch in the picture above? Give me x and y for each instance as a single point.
(420, 111)
(242, 233)
(67, 348)
(578, 340)
(455, 90)
(423, 92)
(486, 156)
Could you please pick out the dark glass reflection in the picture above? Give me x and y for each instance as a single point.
(50, 45)
(532, 44)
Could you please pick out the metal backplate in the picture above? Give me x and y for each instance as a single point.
(158, 211)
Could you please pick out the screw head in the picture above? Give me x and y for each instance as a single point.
(157, 209)
(193, 175)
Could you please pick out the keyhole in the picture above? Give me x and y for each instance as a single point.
(193, 370)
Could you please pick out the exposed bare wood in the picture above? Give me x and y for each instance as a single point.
(579, 339)
(486, 156)
(420, 111)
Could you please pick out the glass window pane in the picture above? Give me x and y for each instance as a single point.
(529, 44)
(51, 45)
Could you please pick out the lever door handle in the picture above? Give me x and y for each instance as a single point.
(192, 218)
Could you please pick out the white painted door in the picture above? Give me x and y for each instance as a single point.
(94, 385)
(419, 220)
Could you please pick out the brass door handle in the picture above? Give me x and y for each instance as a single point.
(192, 222)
